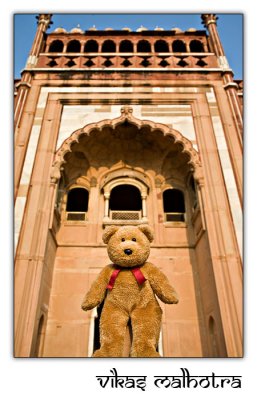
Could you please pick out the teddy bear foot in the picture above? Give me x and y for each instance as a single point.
(145, 353)
(103, 353)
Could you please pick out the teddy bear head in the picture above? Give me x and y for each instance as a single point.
(128, 246)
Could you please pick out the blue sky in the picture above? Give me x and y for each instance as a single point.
(230, 27)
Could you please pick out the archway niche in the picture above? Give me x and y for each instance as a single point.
(124, 156)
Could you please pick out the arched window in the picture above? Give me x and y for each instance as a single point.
(91, 46)
(77, 204)
(109, 47)
(178, 46)
(196, 46)
(125, 203)
(56, 46)
(161, 46)
(73, 46)
(174, 205)
(126, 46)
(143, 46)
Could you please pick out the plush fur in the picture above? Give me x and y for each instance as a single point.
(129, 300)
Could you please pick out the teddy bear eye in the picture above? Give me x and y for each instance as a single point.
(134, 239)
(123, 239)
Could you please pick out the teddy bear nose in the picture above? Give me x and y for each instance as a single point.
(128, 252)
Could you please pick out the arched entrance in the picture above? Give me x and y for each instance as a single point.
(134, 166)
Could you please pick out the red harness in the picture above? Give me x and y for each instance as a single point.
(136, 272)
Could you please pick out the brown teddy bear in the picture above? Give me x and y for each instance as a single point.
(128, 288)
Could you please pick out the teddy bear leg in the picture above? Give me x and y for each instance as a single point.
(113, 324)
(146, 326)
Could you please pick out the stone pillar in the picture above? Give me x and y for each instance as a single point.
(30, 256)
(144, 213)
(44, 20)
(106, 205)
(210, 22)
(226, 261)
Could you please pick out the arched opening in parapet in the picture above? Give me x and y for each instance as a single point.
(143, 46)
(126, 46)
(178, 46)
(108, 46)
(91, 46)
(161, 46)
(56, 46)
(73, 46)
(196, 46)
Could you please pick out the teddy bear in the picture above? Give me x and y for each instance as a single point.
(128, 287)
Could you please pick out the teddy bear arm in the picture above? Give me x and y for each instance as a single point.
(161, 286)
(96, 293)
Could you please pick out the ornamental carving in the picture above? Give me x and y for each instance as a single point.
(128, 117)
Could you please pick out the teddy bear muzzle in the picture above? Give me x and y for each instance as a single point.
(128, 252)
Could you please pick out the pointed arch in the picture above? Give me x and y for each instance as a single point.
(127, 116)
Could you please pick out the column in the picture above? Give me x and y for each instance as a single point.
(210, 22)
(44, 20)
(144, 214)
(106, 206)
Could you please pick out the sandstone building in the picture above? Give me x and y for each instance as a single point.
(122, 127)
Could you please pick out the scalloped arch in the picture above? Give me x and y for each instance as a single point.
(127, 116)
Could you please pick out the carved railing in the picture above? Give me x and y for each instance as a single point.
(127, 60)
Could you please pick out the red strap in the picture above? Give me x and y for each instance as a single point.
(113, 279)
(138, 275)
(136, 272)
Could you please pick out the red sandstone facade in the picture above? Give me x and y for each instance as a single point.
(121, 127)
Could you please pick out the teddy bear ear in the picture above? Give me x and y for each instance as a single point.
(147, 231)
(108, 232)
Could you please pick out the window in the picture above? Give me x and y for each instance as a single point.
(178, 46)
(174, 205)
(73, 46)
(108, 47)
(91, 46)
(125, 203)
(77, 204)
(143, 46)
(56, 46)
(196, 46)
(161, 46)
(126, 46)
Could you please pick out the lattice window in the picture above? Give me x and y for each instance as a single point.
(126, 215)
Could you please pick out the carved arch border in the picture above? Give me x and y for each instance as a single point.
(127, 116)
